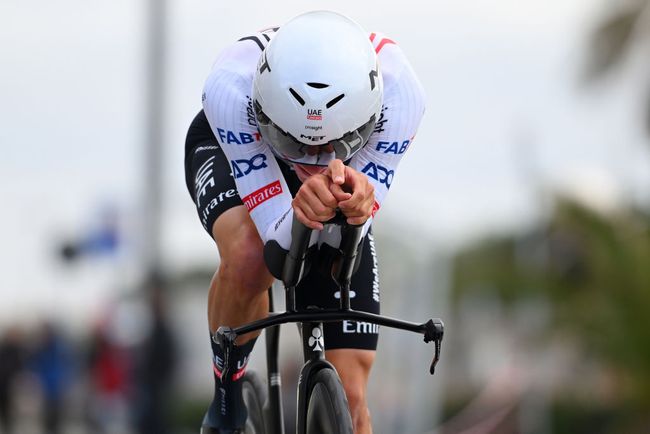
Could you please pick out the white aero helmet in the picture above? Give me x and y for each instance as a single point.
(318, 84)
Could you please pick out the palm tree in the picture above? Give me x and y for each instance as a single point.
(615, 37)
(593, 270)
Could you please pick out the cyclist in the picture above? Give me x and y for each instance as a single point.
(301, 119)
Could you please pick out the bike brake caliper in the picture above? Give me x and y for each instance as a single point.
(225, 337)
(434, 331)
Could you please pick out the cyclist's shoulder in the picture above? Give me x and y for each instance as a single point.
(394, 64)
(241, 56)
(389, 52)
(231, 75)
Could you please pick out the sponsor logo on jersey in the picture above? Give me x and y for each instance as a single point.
(243, 166)
(375, 265)
(379, 126)
(360, 327)
(250, 114)
(396, 148)
(206, 148)
(260, 196)
(315, 114)
(203, 179)
(237, 138)
(213, 204)
(379, 173)
(279, 222)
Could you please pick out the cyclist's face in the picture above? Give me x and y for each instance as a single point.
(305, 171)
(316, 150)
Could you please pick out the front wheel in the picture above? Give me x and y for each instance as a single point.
(327, 405)
(254, 394)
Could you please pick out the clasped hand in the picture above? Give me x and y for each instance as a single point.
(339, 186)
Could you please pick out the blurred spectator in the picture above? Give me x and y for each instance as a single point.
(11, 363)
(51, 362)
(155, 368)
(108, 365)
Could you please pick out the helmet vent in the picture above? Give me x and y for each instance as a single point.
(335, 100)
(318, 85)
(297, 97)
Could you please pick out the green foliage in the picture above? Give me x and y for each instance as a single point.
(608, 304)
(595, 272)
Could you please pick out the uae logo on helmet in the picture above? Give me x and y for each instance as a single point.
(315, 114)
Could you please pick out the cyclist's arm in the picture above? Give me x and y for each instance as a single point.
(402, 111)
(258, 178)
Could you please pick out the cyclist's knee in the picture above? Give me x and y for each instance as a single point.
(356, 394)
(245, 269)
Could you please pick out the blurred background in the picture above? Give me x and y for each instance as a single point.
(521, 216)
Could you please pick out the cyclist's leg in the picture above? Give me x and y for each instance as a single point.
(353, 367)
(238, 289)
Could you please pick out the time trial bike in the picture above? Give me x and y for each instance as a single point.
(322, 405)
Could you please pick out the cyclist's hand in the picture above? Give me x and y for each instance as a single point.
(357, 206)
(315, 203)
(336, 172)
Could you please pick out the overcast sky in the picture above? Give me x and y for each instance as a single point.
(506, 112)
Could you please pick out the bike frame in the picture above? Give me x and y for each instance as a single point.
(311, 321)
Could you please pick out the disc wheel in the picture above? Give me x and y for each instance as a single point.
(327, 408)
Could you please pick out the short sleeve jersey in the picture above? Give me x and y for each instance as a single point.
(228, 105)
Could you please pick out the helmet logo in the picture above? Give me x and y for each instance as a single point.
(373, 75)
(312, 138)
(315, 114)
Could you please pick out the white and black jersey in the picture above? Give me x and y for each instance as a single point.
(258, 176)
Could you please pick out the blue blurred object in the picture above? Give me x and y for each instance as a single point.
(51, 362)
(101, 239)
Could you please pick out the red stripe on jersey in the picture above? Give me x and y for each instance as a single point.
(375, 208)
(382, 43)
(372, 37)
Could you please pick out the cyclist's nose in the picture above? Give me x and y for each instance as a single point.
(315, 150)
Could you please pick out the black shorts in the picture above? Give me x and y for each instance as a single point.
(210, 183)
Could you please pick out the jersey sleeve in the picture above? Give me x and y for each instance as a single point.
(401, 113)
(259, 180)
